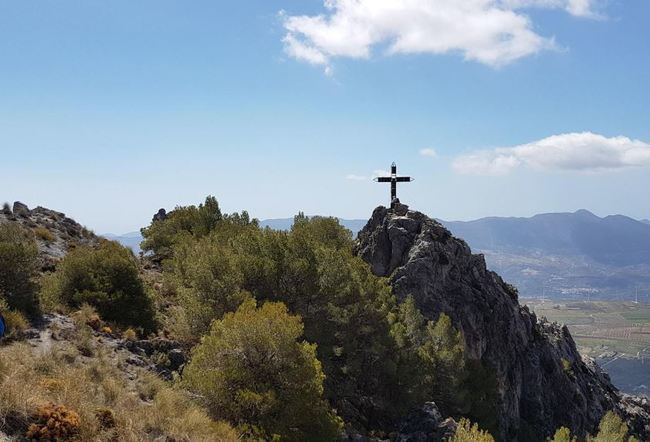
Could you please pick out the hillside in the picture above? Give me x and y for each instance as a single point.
(55, 233)
(304, 333)
(542, 380)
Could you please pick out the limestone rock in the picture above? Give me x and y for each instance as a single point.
(529, 356)
(55, 234)
(423, 425)
(20, 209)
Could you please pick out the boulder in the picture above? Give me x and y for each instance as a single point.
(425, 425)
(20, 209)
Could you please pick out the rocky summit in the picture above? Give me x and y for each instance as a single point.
(542, 381)
(55, 233)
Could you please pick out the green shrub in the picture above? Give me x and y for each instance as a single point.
(18, 265)
(183, 222)
(563, 435)
(107, 279)
(253, 371)
(567, 367)
(612, 429)
(466, 432)
(207, 281)
(15, 323)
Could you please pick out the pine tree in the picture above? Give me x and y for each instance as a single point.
(253, 371)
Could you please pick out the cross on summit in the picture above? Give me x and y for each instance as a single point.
(393, 179)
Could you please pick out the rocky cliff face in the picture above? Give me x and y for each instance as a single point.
(543, 382)
(54, 233)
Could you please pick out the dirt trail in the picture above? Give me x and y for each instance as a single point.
(41, 336)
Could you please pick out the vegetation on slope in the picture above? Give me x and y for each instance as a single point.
(611, 429)
(252, 370)
(380, 359)
(105, 277)
(62, 392)
(18, 253)
(292, 338)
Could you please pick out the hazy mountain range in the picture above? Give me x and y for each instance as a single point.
(555, 254)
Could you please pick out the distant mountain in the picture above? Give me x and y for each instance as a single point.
(614, 240)
(131, 240)
(564, 254)
(645, 221)
(353, 225)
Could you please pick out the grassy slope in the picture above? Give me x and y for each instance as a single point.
(74, 368)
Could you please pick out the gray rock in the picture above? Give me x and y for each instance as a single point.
(535, 392)
(176, 359)
(64, 232)
(399, 208)
(161, 215)
(31, 333)
(424, 425)
(20, 209)
(136, 360)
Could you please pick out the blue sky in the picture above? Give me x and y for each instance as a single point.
(110, 110)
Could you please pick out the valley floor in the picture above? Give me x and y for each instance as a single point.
(615, 333)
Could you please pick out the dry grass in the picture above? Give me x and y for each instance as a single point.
(16, 323)
(44, 234)
(109, 405)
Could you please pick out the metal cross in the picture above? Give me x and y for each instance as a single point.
(393, 179)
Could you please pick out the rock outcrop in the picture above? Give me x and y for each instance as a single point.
(54, 232)
(542, 381)
(423, 425)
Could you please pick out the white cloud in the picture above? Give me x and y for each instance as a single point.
(428, 152)
(379, 172)
(375, 173)
(578, 8)
(585, 152)
(492, 32)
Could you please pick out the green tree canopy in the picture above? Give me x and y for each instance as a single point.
(466, 432)
(612, 429)
(18, 265)
(253, 370)
(183, 222)
(563, 434)
(381, 359)
(106, 277)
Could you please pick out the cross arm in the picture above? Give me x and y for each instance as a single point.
(383, 179)
(403, 179)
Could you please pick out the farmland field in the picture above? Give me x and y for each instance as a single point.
(616, 334)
